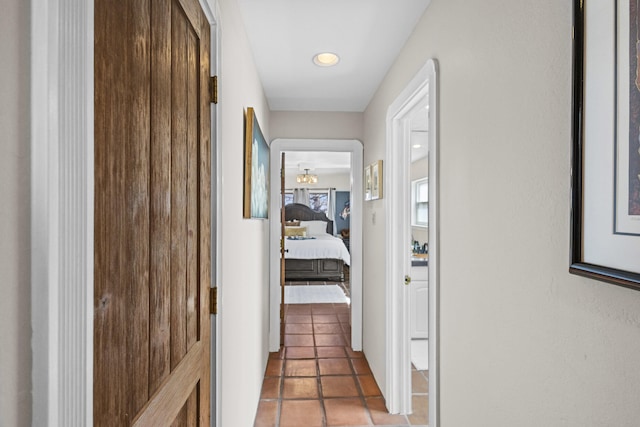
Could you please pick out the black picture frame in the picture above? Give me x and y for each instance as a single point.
(578, 265)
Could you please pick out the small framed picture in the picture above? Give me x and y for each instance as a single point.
(376, 180)
(367, 182)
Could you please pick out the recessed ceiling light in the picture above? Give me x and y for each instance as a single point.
(326, 59)
(417, 146)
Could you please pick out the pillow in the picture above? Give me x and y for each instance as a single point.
(315, 228)
(295, 231)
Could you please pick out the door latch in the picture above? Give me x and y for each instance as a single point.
(407, 279)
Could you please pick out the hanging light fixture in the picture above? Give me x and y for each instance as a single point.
(307, 178)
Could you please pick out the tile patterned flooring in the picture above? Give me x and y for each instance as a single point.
(317, 380)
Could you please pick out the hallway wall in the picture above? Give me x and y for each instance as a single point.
(244, 252)
(316, 125)
(15, 311)
(523, 342)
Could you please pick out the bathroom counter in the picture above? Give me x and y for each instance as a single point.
(420, 260)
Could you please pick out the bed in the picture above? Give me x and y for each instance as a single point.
(311, 250)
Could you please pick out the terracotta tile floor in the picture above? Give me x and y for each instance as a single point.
(317, 380)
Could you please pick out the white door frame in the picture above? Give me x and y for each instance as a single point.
(398, 393)
(62, 135)
(354, 147)
(211, 9)
(62, 202)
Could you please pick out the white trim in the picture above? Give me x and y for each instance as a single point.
(434, 239)
(62, 211)
(355, 148)
(211, 9)
(398, 389)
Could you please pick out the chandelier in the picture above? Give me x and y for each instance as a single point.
(307, 178)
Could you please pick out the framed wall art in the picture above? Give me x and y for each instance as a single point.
(605, 211)
(376, 180)
(367, 182)
(256, 169)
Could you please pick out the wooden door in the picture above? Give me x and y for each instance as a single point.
(152, 213)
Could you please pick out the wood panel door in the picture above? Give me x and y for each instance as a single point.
(152, 213)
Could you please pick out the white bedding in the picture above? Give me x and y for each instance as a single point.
(323, 246)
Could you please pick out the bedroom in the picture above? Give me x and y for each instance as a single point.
(317, 191)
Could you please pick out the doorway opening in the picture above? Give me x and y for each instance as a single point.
(317, 260)
(354, 148)
(411, 214)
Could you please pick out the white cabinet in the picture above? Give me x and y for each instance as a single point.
(419, 301)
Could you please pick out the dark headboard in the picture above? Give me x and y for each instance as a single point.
(305, 213)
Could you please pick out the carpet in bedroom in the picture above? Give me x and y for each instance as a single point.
(314, 294)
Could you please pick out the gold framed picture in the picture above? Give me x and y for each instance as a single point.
(256, 169)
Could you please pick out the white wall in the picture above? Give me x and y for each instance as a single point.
(316, 125)
(15, 312)
(523, 342)
(244, 287)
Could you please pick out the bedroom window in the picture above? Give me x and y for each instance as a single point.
(420, 202)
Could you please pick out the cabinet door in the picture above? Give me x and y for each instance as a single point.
(419, 294)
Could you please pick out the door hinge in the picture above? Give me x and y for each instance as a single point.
(213, 300)
(213, 89)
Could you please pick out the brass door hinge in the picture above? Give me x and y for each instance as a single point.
(213, 88)
(213, 300)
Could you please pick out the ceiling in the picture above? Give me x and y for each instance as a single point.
(326, 162)
(366, 34)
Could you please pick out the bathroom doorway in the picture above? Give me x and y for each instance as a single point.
(413, 113)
